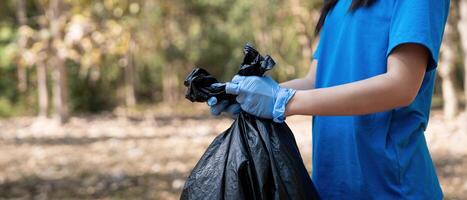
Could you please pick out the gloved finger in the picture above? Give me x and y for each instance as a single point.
(240, 99)
(217, 84)
(237, 79)
(233, 109)
(245, 108)
(219, 108)
(233, 116)
(212, 101)
(232, 88)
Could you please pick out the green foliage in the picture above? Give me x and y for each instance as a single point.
(12, 103)
(170, 37)
(7, 47)
(5, 107)
(90, 95)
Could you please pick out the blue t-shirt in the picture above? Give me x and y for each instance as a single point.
(382, 155)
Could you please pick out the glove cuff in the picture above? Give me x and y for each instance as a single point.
(283, 97)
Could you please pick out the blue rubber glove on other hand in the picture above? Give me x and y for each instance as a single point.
(223, 106)
(260, 96)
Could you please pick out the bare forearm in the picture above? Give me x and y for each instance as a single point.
(363, 97)
(398, 87)
(299, 84)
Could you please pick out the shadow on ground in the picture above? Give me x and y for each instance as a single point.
(92, 185)
(149, 158)
(451, 170)
(89, 185)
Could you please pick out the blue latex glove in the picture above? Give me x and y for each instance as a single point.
(260, 96)
(224, 106)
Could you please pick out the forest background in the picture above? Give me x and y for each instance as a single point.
(80, 75)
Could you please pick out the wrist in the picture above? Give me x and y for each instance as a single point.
(289, 108)
(282, 99)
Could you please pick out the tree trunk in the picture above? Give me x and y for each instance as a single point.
(169, 85)
(22, 78)
(130, 98)
(462, 26)
(60, 90)
(21, 68)
(57, 61)
(42, 89)
(302, 26)
(446, 71)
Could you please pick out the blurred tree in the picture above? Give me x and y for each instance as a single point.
(462, 26)
(130, 97)
(102, 54)
(57, 56)
(447, 66)
(22, 42)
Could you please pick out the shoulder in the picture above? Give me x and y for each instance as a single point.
(434, 5)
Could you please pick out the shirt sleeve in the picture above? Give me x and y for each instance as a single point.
(421, 22)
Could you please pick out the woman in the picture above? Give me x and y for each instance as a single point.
(369, 89)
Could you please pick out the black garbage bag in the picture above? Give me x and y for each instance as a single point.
(255, 158)
(199, 81)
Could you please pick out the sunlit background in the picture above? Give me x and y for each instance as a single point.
(92, 98)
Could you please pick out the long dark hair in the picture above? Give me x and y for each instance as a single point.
(329, 4)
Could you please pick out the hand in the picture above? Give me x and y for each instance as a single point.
(231, 109)
(260, 96)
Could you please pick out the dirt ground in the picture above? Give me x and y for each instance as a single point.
(109, 156)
